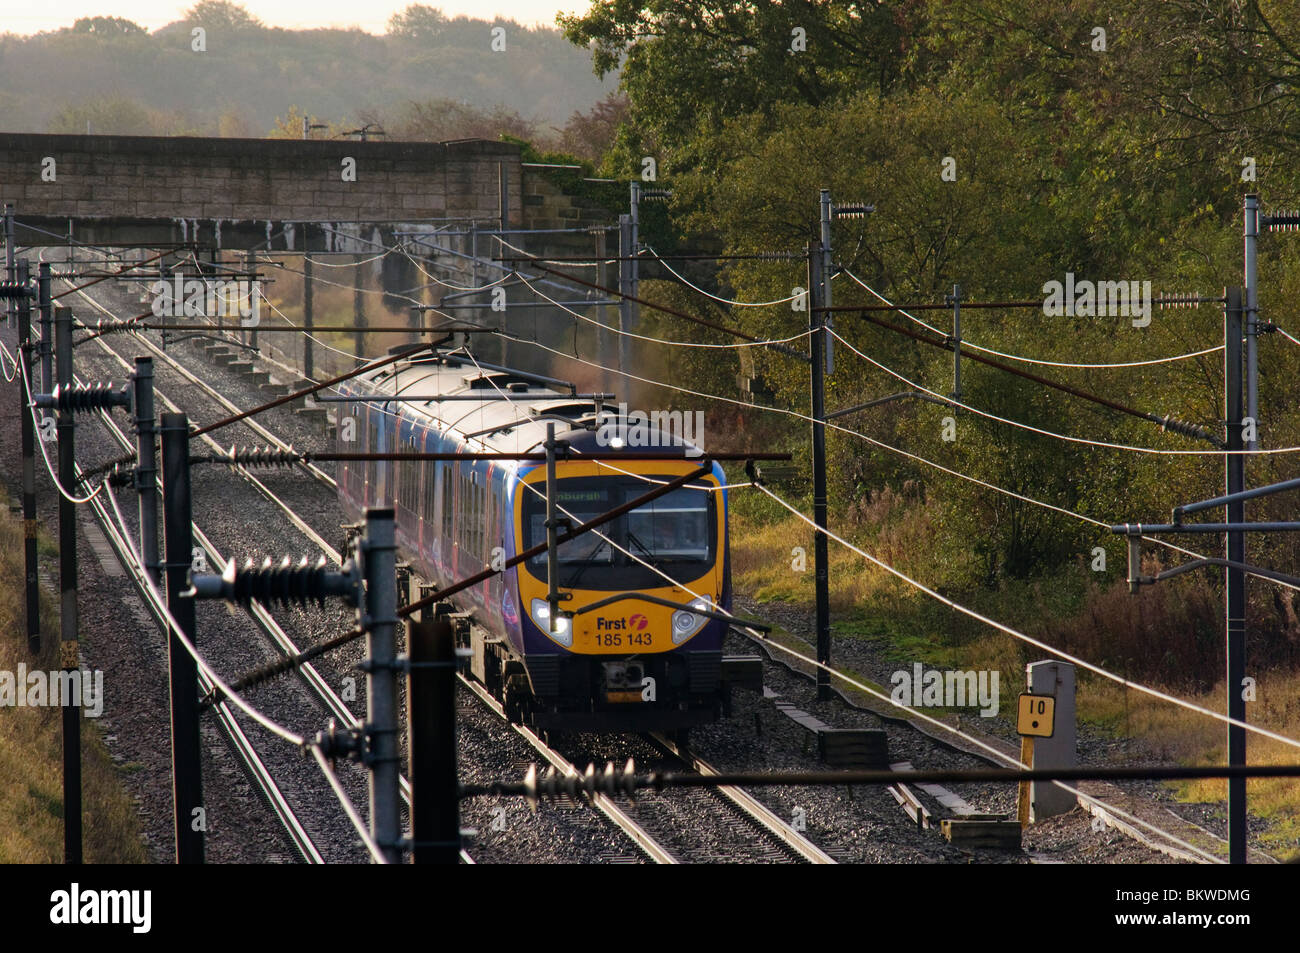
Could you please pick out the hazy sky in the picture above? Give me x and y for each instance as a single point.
(21, 16)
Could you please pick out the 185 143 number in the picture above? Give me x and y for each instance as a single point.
(615, 640)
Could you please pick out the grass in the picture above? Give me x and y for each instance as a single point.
(31, 767)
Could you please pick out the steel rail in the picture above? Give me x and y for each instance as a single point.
(601, 802)
(751, 807)
(245, 751)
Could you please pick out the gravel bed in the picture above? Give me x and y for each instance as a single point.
(233, 645)
(694, 826)
(507, 831)
(1068, 838)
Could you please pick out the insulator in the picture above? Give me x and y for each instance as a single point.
(260, 457)
(1282, 221)
(115, 325)
(553, 786)
(16, 289)
(1183, 427)
(777, 256)
(85, 398)
(852, 210)
(285, 583)
(1192, 300)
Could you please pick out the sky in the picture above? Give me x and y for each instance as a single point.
(22, 16)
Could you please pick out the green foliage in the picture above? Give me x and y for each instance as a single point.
(107, 26)
(417, 22)
(1115, 163)
(220, 15)
(689, 66)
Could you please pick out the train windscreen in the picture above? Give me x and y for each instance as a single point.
(676, 533)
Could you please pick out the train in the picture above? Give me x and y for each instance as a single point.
(638, 642)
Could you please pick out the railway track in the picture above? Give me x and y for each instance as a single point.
(606, 805)
(753, 815)
(757, 813)
(254, 767)
(764, 835)
(315, 683)
(244, 750)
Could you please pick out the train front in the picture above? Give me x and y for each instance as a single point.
(631, 648)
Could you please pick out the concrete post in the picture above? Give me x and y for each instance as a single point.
(1059, 751)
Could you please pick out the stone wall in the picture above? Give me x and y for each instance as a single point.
(227, 185)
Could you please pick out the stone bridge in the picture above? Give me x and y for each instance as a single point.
(298, 195)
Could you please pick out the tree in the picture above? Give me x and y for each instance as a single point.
(221, 15)
(108, 26)
(689, 66)
(590, 134)
(416, 22)
(289, 126)
(439, 120)
(113, 115)
(232, 125)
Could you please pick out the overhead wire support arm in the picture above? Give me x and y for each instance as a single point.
(612, 781)
(121, 271)
(902, 395)
(274, 456)
(1243, 495)
(649, 256)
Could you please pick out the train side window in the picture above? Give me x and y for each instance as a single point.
(481, 531)
(446, 502)
(427, 471)
(408, 486)
(367, 438)
(477, 525)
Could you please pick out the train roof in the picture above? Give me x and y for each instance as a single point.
(513, 423)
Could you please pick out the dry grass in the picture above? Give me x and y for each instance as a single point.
(893, 528)
(31, 770)
(1163, 732)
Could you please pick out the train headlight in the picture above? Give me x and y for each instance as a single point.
(686, 624)
(541, 613)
